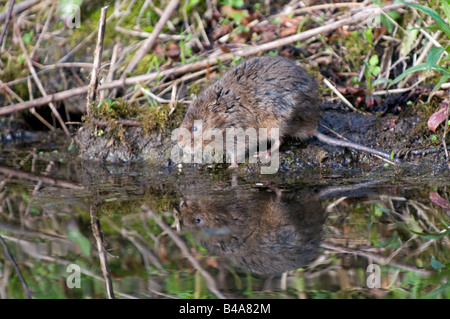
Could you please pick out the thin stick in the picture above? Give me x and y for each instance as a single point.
(44, 29)
(16, 267)
(210, 282)
(11, 6)
(63, 65)
(98, 234)
(323, 6)
(153, 96)
(22, 6)
(331, 86)
(143, 34)
(92, 92)
(38, 82)
(213, 60)
(202, 29)
(148, 43)
(36, 178)
(103, 123)
(112, 69)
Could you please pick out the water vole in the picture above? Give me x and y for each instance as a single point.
(259, 231)
(264, 92)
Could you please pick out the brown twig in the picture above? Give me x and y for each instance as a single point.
(148, 43)
(343, 99)
(16, 267)
(98, 234)
(112, 69)
(44, 179)
(323, 6)
(143, 34)
(22, 6)
(104, 123)
(5, 27)
(92, 92)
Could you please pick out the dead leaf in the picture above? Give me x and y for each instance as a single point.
(173, 50)
(438, 117)
(435, 198)
(212, 262)
(289, 31)
(224, 48)
(228, 11)
(344, 31)
(158, 49)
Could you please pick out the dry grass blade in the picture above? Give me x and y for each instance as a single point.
(92, 92)
(16, 267)
(5, 27)
(346, 102)
(98, 235)
(18, 8)
(151, 40)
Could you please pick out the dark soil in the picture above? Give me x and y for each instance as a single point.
(397, 133)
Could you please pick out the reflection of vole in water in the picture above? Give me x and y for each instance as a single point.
(263, 232)
(263, 92)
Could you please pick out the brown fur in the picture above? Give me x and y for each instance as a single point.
(262, 92)
(259, 231)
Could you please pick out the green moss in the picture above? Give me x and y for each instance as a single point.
(355, 49)
(151, 117)
(149, 63)
(195, 89)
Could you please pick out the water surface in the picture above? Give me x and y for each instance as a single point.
(140, 231)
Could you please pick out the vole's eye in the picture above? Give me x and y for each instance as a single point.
(198, 221)
(194, 128)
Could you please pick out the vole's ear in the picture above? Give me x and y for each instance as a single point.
(185, 203)
(220, 92)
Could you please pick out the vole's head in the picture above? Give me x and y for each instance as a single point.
(201, 213)
(203, 116)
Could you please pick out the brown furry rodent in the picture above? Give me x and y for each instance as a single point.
(264, 92)
(259, 231)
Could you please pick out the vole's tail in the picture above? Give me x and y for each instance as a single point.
(343, 143)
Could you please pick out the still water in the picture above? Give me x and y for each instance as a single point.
(72, 229)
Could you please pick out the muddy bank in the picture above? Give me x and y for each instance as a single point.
(134, 146)
(397, 133)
